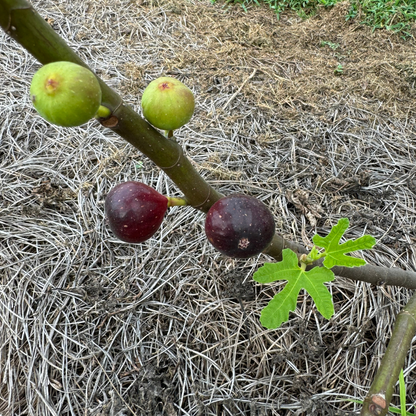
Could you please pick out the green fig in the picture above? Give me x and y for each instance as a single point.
(65, 93)
(167, 103)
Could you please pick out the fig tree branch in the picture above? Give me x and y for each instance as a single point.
(26, 26)
(379, 396)
(21, 22)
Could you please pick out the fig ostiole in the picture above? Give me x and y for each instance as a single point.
(65, 94)
(239, 226)
(135, 211)
(167, 104)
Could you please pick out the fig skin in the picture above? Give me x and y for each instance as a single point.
(239, 226)
(134, 211)
(167, 103)
(65, 94)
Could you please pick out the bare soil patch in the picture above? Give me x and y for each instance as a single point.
(315, 117)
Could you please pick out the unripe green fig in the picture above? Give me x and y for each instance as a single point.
(65, 93)
(167, 103)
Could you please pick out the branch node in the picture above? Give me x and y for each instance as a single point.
(378, 404)
(199, 206)
(110, 122)
(9, 28)
(177, 161)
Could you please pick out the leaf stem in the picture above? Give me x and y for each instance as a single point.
(314, 255)
(320, 255)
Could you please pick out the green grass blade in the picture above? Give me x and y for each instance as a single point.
(402, 386)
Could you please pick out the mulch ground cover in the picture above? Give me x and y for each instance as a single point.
(314, 117)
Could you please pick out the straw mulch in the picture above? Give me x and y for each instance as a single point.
(316, 118)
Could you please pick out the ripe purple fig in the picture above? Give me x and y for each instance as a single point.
(167, 103)
(135, 211)
(239, 226)
(65, 93)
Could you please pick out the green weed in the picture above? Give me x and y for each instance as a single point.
(394, 15)
(339, 70)
(330, 44)
(397, 15)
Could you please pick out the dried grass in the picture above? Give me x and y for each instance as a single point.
(93, 326)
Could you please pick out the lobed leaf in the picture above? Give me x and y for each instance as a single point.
(270, 272)
(335, 252)
(277, 311)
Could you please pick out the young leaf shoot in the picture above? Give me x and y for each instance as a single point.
(277, 311)
(335, 252)
(298, 278)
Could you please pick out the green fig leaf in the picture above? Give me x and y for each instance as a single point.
(335, 252)
(277, 311)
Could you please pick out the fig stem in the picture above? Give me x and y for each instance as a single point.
(176, 201)
(168, 134)
(103, 112)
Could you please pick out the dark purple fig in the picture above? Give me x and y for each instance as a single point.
(135, 211)
(239, 226)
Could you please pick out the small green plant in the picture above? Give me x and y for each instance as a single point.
(394, 15)
(299, 277)
(339, 70)
(330, 44)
